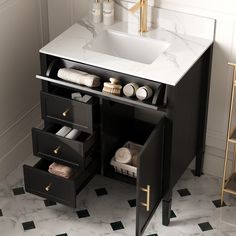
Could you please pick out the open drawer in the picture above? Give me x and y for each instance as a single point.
(66, 111)
(42, 183)
(73, 152)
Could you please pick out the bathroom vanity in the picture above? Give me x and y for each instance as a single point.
(170, 126)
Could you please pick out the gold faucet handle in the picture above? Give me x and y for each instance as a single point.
(136, 7)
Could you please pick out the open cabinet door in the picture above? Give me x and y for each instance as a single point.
(149, 178)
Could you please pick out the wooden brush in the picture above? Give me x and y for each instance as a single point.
(113, 88)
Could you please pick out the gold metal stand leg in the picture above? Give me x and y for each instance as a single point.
(234, 160)
(228, 134)
(224, 175)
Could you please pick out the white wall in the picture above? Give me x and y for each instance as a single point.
(224, 51)
(225, 44)
(23, 27)
(64, 13)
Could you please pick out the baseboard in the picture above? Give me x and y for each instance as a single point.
(214, 162)
(15, 157)
(16, 143)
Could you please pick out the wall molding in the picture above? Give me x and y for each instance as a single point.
(19, 129)
(15, 140)
(6, 3)
(14, 151)
(44, 26)
(214, 162)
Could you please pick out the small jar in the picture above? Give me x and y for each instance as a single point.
(130, 89)
(97, 11)
(108, 12)
(144, 92)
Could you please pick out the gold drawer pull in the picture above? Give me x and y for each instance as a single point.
(48, 187)
(147, 204)
(66, 112)
(55, 151)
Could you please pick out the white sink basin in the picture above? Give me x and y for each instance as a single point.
(131, 47)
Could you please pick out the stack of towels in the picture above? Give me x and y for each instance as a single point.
(60, 170)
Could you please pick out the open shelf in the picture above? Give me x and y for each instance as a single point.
(156, 102)
(231, 184)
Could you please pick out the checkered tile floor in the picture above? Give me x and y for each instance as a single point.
(107, 207)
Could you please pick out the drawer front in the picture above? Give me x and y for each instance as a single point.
(56, 148)
(42, 183)
(68, 112)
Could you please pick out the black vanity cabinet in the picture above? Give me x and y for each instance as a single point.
(171, 127)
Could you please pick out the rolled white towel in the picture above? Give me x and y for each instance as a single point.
(74, 133)
(79, 77)
(123, 155)
(63, 131)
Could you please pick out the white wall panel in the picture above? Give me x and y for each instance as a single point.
(64, 13)
(21, 36)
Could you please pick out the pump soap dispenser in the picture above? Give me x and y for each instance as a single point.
(97, 11)
(108, 12)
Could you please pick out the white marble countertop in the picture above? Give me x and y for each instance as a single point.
(168, 68)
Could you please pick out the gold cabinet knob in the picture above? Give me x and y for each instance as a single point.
(48, 187)
(147, 204)
(55, 151)
(65, 113)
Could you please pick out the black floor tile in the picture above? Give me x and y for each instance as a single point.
(117, 225)
(1, 213)
(205, 226)
(18, 191)
(62, 234)
(172, 214)
(132, 202)
(101, 192)
(184, 192)
(217, 203)
(83, 213)
(28, 225)
(49, 203)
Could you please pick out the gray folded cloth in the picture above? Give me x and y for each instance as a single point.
(80, 98)
(60, 170)
(79, 77)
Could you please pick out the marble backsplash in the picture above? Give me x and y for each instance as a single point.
(173, 21)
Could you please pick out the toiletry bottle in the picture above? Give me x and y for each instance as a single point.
(97, 11)
(108, 12)
(144, 92)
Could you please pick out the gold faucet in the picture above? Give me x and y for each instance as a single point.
(142, 5)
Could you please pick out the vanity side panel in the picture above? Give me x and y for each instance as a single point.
(187, 113)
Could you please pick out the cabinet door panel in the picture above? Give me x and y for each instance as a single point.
(149, 178)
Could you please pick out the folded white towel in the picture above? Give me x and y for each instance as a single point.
(79, 77)
(74, 133)
(63, 131)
